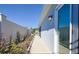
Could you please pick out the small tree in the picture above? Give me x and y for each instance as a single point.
(24, 38)
(17, 38)
(33, 31)
(10, 44)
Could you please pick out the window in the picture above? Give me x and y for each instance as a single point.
(63, 25)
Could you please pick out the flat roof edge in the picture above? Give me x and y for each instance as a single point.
(44, 13)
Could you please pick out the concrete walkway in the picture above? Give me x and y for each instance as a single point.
(63, 50)
(39, 46)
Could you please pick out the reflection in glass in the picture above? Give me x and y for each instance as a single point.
(63, 25)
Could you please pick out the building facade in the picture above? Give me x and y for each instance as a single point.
(9, 29)
(58, 27)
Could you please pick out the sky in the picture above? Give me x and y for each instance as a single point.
(27, 15)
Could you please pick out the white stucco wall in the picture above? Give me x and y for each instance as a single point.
(50, 37)
(9, 28)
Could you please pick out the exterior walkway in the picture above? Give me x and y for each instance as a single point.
(63, 50)
(39, 46)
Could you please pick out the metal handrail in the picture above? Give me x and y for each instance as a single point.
(74, 43)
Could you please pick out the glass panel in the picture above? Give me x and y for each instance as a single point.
(63, 25)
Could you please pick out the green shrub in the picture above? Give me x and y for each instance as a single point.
(12, 49)
(2, 50)
(15, 49)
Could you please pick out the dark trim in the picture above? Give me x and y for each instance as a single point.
(78, 29)
(40, 31)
